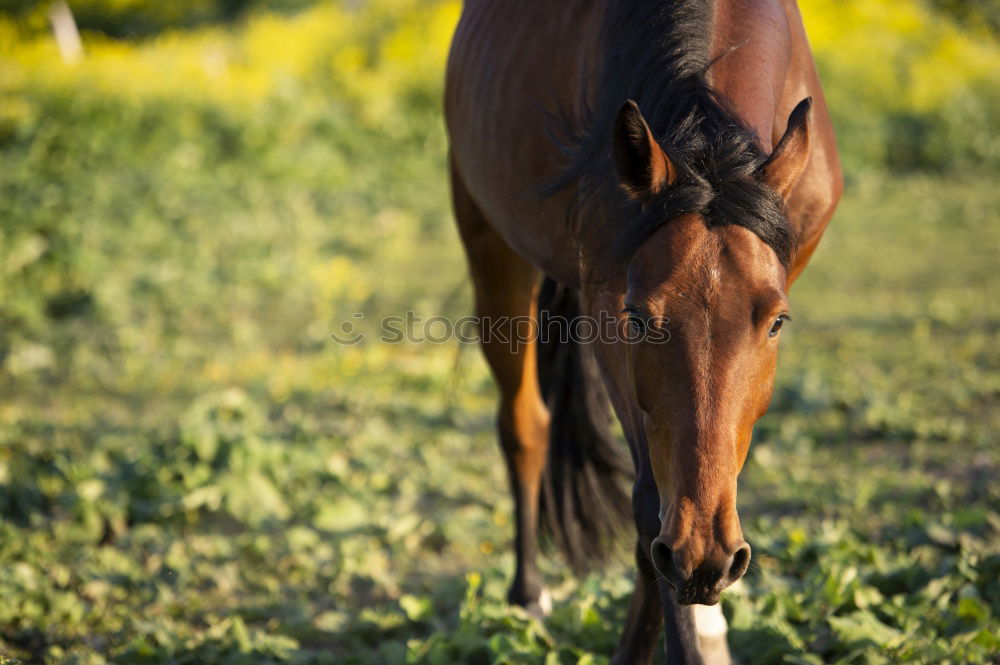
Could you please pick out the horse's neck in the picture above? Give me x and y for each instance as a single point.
(751, 47)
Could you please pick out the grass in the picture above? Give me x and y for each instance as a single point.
(191, 471)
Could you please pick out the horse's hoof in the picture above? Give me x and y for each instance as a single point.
(540, 608)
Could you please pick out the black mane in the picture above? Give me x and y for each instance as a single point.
(657, 53)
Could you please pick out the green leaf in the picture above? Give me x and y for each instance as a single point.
(416, 608)
(861, 627)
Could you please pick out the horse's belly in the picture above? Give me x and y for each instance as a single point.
(512, 65)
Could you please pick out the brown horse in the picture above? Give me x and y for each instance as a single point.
(657, 161)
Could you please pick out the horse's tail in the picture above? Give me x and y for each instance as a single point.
(584, 501)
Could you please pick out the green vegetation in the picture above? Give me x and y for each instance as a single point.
(907, 87)
(191, 471)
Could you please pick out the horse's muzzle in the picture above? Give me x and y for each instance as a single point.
(704, 584)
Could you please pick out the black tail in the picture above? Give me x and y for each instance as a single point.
(584, 501)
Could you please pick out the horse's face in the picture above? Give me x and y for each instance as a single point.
(720, 292)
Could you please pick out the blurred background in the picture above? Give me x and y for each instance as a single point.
(197, 193)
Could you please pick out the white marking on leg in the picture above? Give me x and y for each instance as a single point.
(545, 602)
(709, 620)
(710, 624)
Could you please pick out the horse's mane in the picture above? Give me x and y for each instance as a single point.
(657, 53)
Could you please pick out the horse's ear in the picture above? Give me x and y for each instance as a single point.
(643, 168)
(789, 158)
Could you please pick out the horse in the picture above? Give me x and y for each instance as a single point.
(670, 164)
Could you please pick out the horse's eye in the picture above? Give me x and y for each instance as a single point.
(636, 324)
(777, 325)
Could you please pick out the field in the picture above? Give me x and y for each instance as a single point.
(193, 472)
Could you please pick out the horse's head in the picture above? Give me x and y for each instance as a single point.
(720, 288)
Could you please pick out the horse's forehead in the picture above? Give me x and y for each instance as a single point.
(750, 260)
(676, 252)
(691, 262)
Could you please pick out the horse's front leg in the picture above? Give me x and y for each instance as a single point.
(645, 610)
(678, 620)
(681, 633)
(694, 633)
(653, 604)
(505, 286)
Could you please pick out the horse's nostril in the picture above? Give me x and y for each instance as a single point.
(741, 561)
(663, 560)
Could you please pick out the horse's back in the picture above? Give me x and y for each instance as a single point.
(512, 65)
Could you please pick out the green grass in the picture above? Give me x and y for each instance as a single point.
(191, 471)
